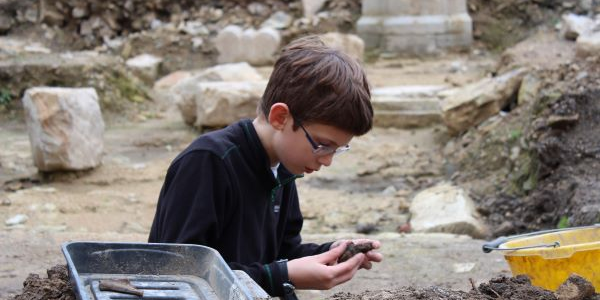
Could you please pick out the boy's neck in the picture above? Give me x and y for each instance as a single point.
(265, 134)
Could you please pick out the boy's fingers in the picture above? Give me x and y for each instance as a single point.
(374, 256)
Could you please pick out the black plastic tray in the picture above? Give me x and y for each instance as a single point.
(161, 271)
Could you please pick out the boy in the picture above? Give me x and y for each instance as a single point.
(233, 189)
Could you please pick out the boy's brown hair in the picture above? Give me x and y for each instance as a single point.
(320, 85)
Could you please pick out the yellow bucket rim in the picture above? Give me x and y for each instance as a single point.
(548, 251)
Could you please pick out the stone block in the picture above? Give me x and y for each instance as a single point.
(470, 105)
(145, 66)
(445, 41)
(412, 7)
(219, 104)
(65, 128)
(257, 47)
(588, 45)
(407, 106)
(350, 44)
(311, 7)
(446, 208)
(409, 43)
(228, 43)
(415, 26)
(421, 25)
(406, 118)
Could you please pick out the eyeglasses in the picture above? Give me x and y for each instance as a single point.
(322, 150)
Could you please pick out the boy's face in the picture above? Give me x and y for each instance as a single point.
(296, 152)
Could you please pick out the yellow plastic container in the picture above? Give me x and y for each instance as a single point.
(577, 251)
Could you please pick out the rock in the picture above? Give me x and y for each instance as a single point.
(463, 267)
(219, 104)
(311, 7)
(228, 43)
(79, 12)
(145, 66)
(258, 9)
(278, 20)
(65, 128)
(183, 91)
(588, 45)
(48, 14)
(36, 48)
(446, 208)
(407, 106)
(6, 22)
(255, 47)
(389, 191)
(470, 105)
(16, 220)
(575, 288)
(262, 46)
(193, 28)
(229, 72)
(575, 26)
(529, 89)
(350, 44)
(170, 80)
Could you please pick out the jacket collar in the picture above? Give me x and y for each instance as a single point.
(259, 159)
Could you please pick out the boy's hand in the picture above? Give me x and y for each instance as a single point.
(321, 272)
(371, 256)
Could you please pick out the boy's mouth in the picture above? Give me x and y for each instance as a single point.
(308, 170)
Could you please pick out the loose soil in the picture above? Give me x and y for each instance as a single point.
(551, 145)
(57, 287)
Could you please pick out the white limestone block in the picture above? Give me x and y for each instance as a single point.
(229, 44)
(65, 128)
(446, 208)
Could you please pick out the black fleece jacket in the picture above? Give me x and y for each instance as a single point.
(220, 192)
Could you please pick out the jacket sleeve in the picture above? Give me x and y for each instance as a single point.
(292, 246)
(192, 203)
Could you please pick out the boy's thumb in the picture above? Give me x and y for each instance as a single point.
(333, 254)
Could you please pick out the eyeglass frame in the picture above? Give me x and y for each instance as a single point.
(321, 150)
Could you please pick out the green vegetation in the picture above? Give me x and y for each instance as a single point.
(515, 134)
(5, 97)
(563, 222)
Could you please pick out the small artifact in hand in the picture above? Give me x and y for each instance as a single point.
(353, 249)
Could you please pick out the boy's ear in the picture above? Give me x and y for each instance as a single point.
(279, 115)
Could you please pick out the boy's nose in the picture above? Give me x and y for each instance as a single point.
(326, 160)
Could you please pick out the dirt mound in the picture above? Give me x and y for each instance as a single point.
(55, 287)
(517, 288)
(564, 136)
(499, 24)
(535, 167)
